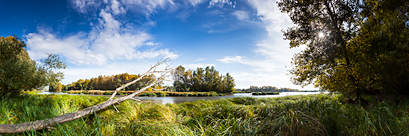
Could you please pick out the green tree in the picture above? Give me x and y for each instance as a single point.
(86, 84)
(380, 50)
(334, 21)
(18, 72)
(56, 87)
(230, 83)
(180, 81)
(198, 79)
(208, 79)
(351, 46)
(202, 80)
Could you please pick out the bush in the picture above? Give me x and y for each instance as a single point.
(148, 94)
(160, 94)
(213, 94)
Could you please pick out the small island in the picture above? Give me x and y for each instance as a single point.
(265, 93)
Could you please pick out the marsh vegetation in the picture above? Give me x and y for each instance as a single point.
(320, 114)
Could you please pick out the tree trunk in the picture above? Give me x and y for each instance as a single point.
(41, 124)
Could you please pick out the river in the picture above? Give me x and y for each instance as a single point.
(181, 99)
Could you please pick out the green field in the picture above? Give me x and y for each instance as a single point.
(320, 114)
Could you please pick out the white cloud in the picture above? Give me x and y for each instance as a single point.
(228, 59)
(268, 11)
(108, 40)
(219, 3)
(147, 6)
(73, 74)
(85, 6)
(165, 53)
(183, 15)
(152, 43)
(195, 2)
(273, 47)
(195, 66)
(215, 12)
(247, 79)
(259, 64)
(273, 55)
(116, 7)
(241, 15)
(200, 59)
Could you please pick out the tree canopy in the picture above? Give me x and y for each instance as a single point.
(202, 80)
(352, 46)
(112, 82)
(18, 72)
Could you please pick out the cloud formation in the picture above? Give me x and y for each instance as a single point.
(241, 15)
(272, 58)
(198, 65)
(220, 3)
(109, 39)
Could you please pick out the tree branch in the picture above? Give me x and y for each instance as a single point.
(46, 123)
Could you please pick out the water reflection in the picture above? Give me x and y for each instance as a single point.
(181, 99)
(176, 100)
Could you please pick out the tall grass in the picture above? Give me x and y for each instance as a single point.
(290, 115)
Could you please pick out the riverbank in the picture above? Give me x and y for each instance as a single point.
(320, 114)
(265, 93)
(147, 93)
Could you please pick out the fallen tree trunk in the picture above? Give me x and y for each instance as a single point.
(41, 124)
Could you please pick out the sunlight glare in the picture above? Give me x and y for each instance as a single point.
(321, 35)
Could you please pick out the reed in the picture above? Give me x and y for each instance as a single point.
(320, 114)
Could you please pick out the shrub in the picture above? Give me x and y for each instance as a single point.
(160, 94)
(107, 93)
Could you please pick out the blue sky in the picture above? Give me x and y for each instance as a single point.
(107, 37)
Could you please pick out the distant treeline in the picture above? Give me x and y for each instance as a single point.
(202, 80)
(111, 82)
(267, 89)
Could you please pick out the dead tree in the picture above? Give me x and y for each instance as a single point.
(48, 123)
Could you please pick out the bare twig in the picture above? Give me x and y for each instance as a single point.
(47, 123)
(115, 108)
(135, 99)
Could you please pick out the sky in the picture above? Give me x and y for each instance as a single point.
(108, 37)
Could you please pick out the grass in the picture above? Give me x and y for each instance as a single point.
(319, 114)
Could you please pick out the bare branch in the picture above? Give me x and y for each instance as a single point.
(135, 99)
(150, 71)
(47, 123)
(115, 108)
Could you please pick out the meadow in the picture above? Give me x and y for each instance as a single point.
(321, 114)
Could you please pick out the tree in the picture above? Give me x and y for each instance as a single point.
(198, 79)
(342, 46)
(18, 72)
(46, 123)
(230, 82)
(380, 50)
(56, 87)
(202, 80)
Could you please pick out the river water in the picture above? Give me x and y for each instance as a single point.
(165, 100)
(181, 99)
